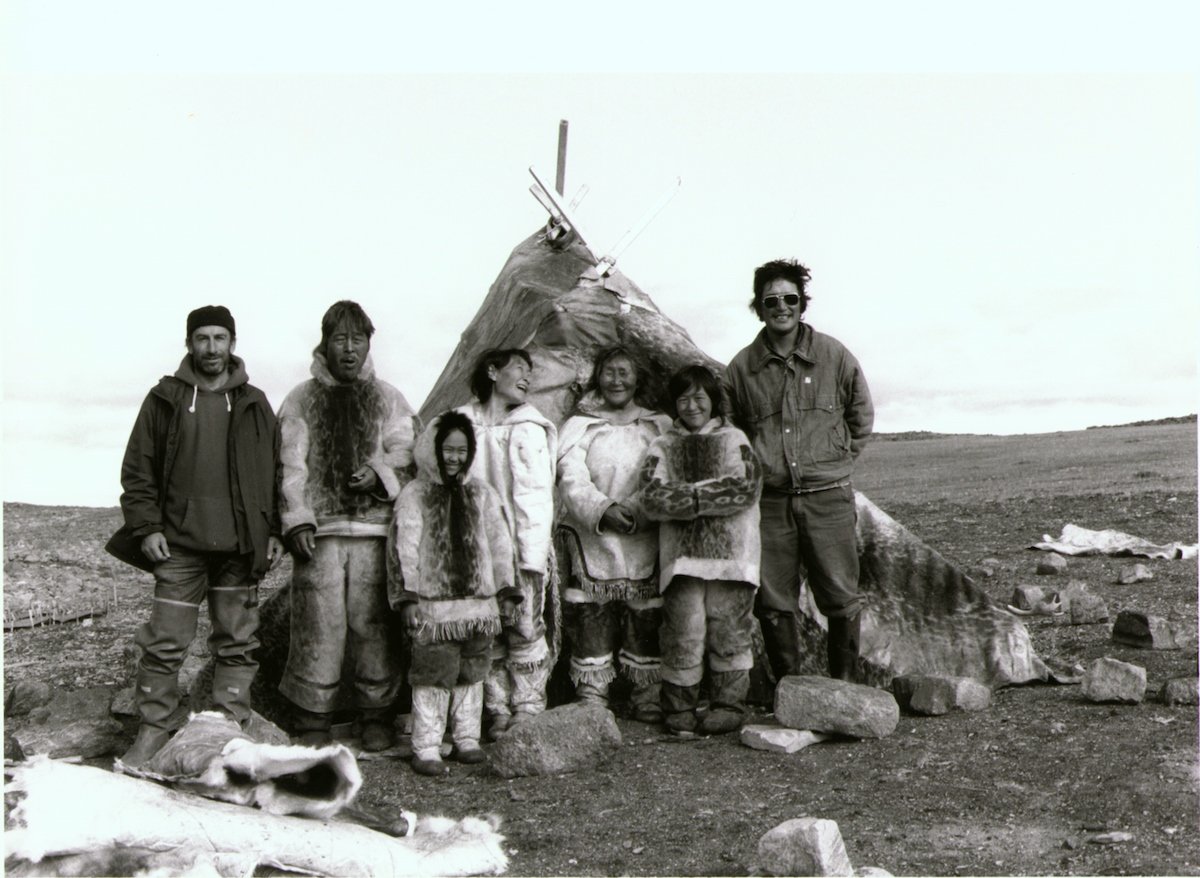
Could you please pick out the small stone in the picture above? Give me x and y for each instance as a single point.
(1027, 597)
(872, 872)
(1131, 573)
(994, 563)
(1108, 679)
(1146, 632)
(1111, 838)
(820, 704)
(1070, 844)
(778, 739)
(804, 846)
(1052, 566)
(567, 738)
(978, 571)
(942, 694)
(25, 695)
(1180, 690)
(1088, 609)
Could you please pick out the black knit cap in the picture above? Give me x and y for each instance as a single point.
(211, 315)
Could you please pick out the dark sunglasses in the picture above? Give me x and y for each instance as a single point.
(789, 299)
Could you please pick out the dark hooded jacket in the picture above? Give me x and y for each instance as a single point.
(150, 458)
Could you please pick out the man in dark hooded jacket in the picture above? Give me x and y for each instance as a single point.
(200, 511)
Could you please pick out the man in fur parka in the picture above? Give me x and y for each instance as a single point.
(451, 577)
(346, 451)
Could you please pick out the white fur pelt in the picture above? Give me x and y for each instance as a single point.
(212, 757)
(65, 810)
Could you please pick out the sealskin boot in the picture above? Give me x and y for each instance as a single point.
(646, 700)
(728, 708)
(378, 732)
(148, 742)
(430, 705)
(311, 728)
(679, 703)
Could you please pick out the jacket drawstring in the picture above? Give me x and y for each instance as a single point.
(196, 392)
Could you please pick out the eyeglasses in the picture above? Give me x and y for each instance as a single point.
(789, 299)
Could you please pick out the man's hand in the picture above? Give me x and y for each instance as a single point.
(408, 614)
(364, 480)
(303, 543)
(154, 547)
(274, 551)
(508, 609)
(618, 517)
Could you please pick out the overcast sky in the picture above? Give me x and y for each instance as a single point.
(1001, 222)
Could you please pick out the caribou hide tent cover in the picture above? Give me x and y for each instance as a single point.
(923, 615)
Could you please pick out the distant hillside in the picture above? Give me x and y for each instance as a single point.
(1182, 419)
(911, 435)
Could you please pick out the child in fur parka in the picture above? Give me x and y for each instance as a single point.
(702, 482)
(452, 580)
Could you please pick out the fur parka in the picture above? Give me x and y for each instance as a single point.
(703, 488)
(327, 431)
(452, 602)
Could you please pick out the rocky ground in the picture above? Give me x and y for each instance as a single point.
(1031, 785)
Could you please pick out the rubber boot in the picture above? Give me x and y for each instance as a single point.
(466, 713)
(842, 647)
(231, 690)
(679, 704)
(430, 704)
(148, 742)
(728, 703)
(781, 643)
(378, 731)
(646, 699)
(157, 698)
(529, 691)
(497, 689)
(311, 728)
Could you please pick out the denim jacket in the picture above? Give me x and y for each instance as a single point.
(807, 416)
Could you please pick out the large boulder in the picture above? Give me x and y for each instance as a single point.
(821, 704)
(74, 723)
(567, 738)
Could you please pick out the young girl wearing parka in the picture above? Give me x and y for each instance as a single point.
(515, 453)
(451, 572)
(701, 481)
(612, 600)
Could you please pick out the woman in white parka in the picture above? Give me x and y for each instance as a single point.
(515, 453)
(612, 609)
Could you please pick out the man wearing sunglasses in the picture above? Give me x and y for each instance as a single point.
(802, 399)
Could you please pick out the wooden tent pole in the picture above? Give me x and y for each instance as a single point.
(560, 176)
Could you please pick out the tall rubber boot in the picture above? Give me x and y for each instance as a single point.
(728, 702)
(311, 729)
(842, 647)
(148, 742)
(466, 714)
(231, 690)
(157, 698)
(679, 704)
(529, 691)
(497, 690)
(782, 643)
(430, 705)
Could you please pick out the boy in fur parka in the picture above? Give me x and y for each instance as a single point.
(702, 482)
(452, 569)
